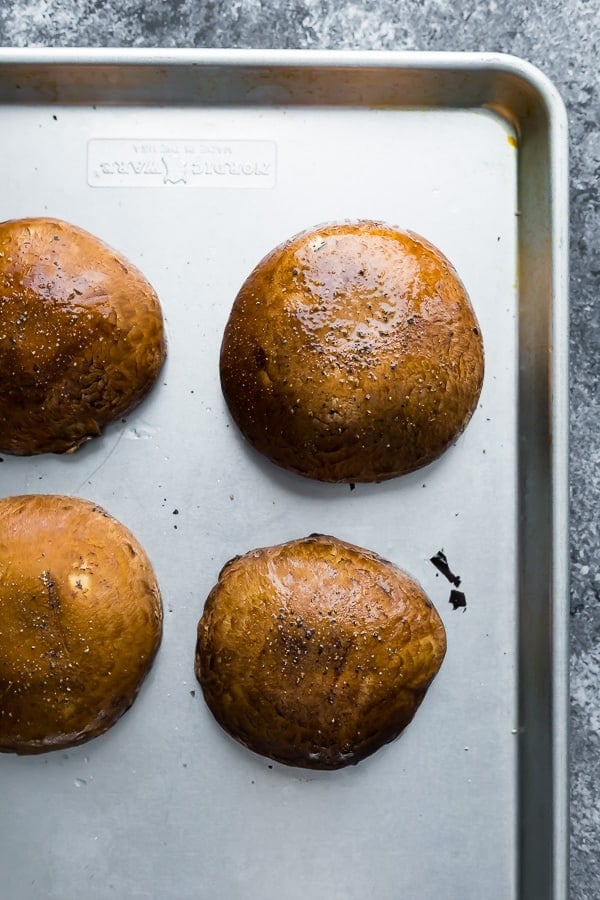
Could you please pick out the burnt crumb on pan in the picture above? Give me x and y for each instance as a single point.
(458, 600)
(192, 693)
(440, 561)
(352, 486)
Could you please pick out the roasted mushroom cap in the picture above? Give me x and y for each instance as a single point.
(81, 336)
(80, 621)
(316, 652)
(352, 353)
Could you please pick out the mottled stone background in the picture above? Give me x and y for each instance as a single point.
(562, 37)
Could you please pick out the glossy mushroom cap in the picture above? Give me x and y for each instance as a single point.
(352, 354)
(80, 621)
(81, 336)
(316, 652)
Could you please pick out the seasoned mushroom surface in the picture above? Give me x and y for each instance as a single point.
(352, 354)
(316, 652)
(81, 336)
(80, 621)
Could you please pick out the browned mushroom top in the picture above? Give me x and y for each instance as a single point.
(81, 336)
(316, 652)
(80, 621)
(352, 353)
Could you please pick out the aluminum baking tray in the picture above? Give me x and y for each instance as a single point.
(194, 164)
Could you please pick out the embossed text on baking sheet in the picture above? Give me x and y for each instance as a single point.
(181, 163)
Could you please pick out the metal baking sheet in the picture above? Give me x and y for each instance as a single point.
(194, 164)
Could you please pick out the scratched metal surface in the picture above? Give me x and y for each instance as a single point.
(165, 805)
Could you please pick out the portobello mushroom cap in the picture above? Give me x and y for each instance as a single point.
(316, 652)
(81, 336)
(352, 354)
(80, 621)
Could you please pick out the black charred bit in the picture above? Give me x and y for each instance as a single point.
(440, 561)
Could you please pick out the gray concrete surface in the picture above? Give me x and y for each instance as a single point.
(562, 37)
